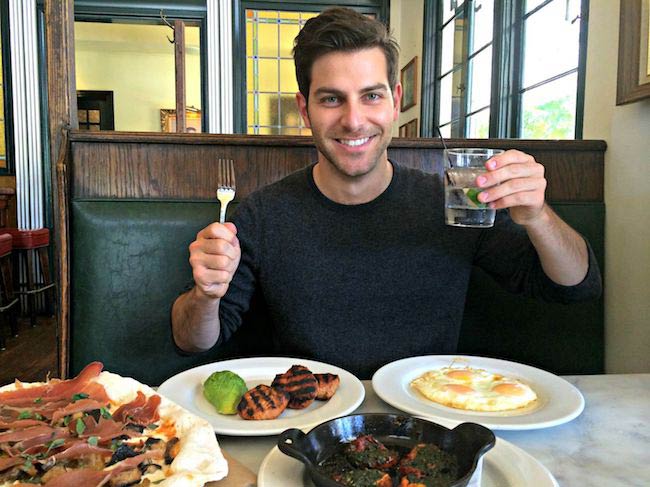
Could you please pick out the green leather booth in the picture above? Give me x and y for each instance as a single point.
(129, 261)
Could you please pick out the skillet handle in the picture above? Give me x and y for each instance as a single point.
(290, 442)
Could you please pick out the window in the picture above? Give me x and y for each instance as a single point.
(497, 71)
(6, 137)
(265, 83)
(271, 84)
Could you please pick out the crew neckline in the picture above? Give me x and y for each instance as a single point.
(343, 207)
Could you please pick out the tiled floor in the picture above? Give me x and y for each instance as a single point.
(32, 355)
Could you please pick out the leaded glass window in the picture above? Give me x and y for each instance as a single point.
(271, 84)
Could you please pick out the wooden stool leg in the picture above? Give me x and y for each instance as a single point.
(8, 292)
(31, 297)
(44, 260)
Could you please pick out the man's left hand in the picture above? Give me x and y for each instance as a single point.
(514, 180)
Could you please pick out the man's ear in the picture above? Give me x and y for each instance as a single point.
(397, 98)
(302, 107)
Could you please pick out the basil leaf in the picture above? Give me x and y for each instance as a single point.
(66, 420)
(105, 413)
(80, 426)
(81, 395)
(38, 416)
(54, 444)
(92, 441)
(38, 400)
(25, 415)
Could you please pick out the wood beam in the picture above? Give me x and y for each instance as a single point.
(62, 115)
(179, 61)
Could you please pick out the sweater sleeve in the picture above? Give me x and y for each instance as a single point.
(506, 253)
(237, 299)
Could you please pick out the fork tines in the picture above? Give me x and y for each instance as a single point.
(226, 173)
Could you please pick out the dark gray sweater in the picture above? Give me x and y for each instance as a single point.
(359, 286)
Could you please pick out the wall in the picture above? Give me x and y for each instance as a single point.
(406, 20)
(627, 192)
(136, 62)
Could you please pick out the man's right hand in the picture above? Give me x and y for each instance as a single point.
(214, 257)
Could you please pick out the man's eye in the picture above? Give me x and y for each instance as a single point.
(330, 99)
(373, 96)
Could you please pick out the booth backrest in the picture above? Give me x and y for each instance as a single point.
(134, 207)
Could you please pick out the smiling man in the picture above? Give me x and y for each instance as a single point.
(351, 256)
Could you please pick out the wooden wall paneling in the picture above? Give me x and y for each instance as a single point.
(62, 114)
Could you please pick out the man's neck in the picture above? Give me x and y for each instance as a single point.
(347, 190)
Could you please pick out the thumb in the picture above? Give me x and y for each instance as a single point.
(231, 226)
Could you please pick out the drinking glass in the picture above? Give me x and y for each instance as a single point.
(462, 206)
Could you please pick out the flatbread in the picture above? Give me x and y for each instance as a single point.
(199, 458)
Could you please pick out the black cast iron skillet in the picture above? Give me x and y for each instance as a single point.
(467, 441)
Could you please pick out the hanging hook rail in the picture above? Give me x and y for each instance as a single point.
(163, 17)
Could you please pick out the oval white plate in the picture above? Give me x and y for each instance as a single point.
(558, 401)
(186, 389)
(505, 465)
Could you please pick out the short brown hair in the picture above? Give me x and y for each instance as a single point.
(341, 29)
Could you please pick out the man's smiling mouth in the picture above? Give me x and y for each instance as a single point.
(354, 142)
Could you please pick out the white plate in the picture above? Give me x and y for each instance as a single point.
(505, 465)
(186, 389)
(558, 401)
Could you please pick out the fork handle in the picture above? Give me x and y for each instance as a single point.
(222, 213)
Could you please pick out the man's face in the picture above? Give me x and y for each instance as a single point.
(351, 110)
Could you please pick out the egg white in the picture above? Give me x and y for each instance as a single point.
(474, 389)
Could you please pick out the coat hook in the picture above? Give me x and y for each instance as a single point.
(164, 19)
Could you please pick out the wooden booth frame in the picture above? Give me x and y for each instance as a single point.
(633, 52)
(409, 129)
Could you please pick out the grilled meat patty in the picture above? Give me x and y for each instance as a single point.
(300, 384)
(327, 385)
(262, 402)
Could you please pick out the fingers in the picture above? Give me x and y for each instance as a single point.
(514, 179)
(214, 257)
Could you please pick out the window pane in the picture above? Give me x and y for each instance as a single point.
(451, 130)
(531, 4)
(452, 44)
(478, 125)
(450, 97)
(551, 43)
(288, 32)
(268, 75)
(449, 8)
(288, 83)
(548, 111)
(483, 22)
(268, 109)
(268, 39)
(481, 79)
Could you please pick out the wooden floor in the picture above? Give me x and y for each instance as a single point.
(32, 355)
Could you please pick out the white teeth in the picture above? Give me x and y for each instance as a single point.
(354, 143)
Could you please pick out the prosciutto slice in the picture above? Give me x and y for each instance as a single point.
(83, 477)
(82, 405)
(53, 390)
(141, 410)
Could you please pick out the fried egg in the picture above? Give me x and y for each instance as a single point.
(474, 389)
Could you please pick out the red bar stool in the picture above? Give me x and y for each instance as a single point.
(7, 297)
(28, 244)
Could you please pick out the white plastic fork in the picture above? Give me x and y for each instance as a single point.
(226, 185)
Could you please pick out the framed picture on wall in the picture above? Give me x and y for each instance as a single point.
(408, 78)
(409, 129)
(633, 82)
(192, 120)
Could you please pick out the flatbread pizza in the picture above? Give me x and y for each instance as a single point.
(101, 429)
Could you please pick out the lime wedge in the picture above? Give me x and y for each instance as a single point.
(472, 196)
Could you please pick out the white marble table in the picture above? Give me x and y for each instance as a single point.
(608, 445)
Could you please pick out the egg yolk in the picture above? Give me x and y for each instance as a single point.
(458, 389)
(508, 389)
(460, 374)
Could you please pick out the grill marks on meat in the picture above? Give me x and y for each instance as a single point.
(262, 402)
(327, 386)
(300, 384)
(297, 388)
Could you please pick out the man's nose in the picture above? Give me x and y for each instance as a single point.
(352, 117)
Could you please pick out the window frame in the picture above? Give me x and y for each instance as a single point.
(380, 8)
(193, 12)
(507, 62)
(10, 168)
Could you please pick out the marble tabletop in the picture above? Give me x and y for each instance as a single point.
(607, 445)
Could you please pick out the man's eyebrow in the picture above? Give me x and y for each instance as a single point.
(325, 90)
